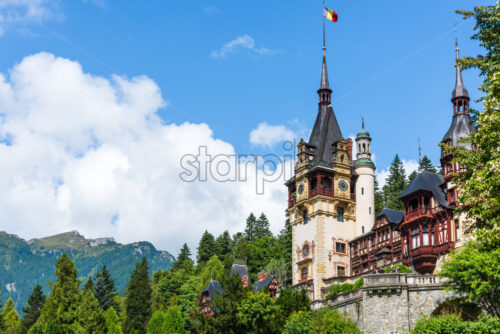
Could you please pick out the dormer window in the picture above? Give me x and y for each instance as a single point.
(304, 216)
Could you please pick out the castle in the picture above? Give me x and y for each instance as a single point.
(336, 235)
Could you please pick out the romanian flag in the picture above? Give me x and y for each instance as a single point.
(330, 15)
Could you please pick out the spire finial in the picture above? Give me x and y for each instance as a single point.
(457, 50)
(362, 122)
(460, 90)
(419, 152)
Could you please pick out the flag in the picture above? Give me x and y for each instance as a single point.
(330, 14)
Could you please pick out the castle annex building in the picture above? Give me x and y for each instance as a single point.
(331, 199)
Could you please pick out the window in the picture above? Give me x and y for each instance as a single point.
(304, 216)
(426, 202)
(415, 238)
(362, 191)
(370, 210)
(304, 273)
(364, 148)
(326, 183)
(425, 233)
(305, 250)
(457, 229)
(362, 229)
(340, 247)
(340, 214)
(340, 271)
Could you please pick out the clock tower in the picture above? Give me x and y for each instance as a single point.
(322, 201)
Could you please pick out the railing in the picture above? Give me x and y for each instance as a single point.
(321, 191)
(419, 212)
(378, 280)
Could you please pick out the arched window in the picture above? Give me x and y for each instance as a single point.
(364, 148)
(362, 191)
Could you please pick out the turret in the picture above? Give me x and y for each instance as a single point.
(365, 185)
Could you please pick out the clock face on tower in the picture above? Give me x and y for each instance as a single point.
(343, 185)
(301, 188)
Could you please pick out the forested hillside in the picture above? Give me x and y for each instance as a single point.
(23, 264)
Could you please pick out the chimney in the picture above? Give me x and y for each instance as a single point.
(262, 276)
(349, 148)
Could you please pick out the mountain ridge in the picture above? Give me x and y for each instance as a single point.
(25, 263)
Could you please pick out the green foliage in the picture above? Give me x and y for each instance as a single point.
(33, 308)
(475, 271)
(90, 316)
(262, 228)
(227, 304)
(174, 322)
(329, 321)
(223, 244)
(280, 268)
(400, 268)
(425, 165)
(11, 320)
(89, 285)
(183, 260)
(188, 298)
(259, 314)
(298, 323)
(155, 325)
(60, 309)
(206, 248)
(112, 322)
(104, 289)
(250, 227)
(292, 301)
(395, 183)
(212, 270)
(453, 324)
(138, 299)
(54, 329)
(36, 329)
(344, 288)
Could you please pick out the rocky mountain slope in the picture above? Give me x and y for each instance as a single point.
(23, 263)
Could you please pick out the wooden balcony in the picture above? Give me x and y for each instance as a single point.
(321, 191)
(420, 213)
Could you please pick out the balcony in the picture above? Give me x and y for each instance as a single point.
(321, 191)
(419, 213)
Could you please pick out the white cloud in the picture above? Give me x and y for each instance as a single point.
(409, 166)
(241, 42)
(83, 152)
(21, 12)
(269, 135)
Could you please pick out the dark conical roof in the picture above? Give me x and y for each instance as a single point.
(324, 74)
(325, 134)
(460, 90)
(460, 127)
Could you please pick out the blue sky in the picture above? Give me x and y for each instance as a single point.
(391, 61)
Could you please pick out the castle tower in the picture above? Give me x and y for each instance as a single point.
(321, 201)
(461, 126)
(365, 184)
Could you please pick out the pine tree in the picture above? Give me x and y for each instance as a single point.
(33, 308)
(1, 318)
(90, 315)
(183, 261)
(138, 299)
(89, 285)
(262, 227)
(412, 175)
(11, 320)
(112, 322)
(61, 306)
(250, 227)
(104, 289)
(426, 165)
(223, 244)
(212, 270)
(206, 248)
(395, 183)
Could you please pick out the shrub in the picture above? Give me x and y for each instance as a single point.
(400, 268)
(453, 324)
(298, 323)
(346, 287)
(329, 321)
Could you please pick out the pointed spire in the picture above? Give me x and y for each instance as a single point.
(460, 91)
(324, 73)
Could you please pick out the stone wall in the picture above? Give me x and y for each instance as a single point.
(390, 303)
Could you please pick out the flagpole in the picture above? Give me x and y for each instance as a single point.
(324, 43)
